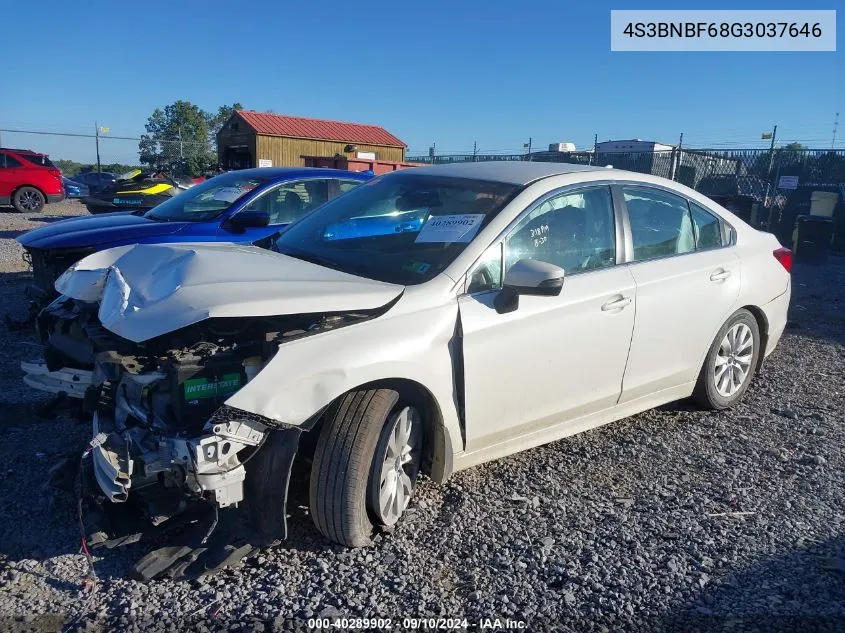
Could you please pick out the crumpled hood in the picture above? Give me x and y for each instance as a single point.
(151, 289)
(108, 228)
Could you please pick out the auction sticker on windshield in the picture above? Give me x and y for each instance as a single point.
(450, 228)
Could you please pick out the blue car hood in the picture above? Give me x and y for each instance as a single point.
(109, 228)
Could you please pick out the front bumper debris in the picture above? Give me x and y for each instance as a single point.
(71, 382)
(193, 536)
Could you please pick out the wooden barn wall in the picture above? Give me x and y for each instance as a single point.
(228, 138)
(288, 152)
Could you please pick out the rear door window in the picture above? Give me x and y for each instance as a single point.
(9, 162)
(708, 229)
(660, 223)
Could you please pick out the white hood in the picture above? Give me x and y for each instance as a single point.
(152, 289)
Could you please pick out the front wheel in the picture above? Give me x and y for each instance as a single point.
(365, 465)
(28, 200)
(730, 362)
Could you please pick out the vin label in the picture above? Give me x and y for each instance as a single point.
(723, 30)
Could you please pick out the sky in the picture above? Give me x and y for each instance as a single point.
(445, 72)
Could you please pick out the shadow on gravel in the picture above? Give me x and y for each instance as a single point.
(14, 304)
(10, 235)
(799, 590)
(817, 306)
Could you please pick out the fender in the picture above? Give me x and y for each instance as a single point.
(307, 374)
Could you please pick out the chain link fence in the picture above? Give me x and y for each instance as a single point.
(770, 189)
(116, 153)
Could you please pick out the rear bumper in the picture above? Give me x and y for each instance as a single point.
(55, 197)
(776, 314)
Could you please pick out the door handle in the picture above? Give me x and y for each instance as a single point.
(720, 275)
(616, 304)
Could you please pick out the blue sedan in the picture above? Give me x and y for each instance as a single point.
(249, 206)
(74, 189)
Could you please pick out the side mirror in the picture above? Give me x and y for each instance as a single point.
(528, 277)
(249, 218)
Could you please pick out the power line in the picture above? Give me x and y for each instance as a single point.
(122, 138)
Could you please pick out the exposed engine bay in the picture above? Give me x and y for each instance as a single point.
(161, 430)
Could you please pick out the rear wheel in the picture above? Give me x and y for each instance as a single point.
(365, 465)
(730, 362)
(28, 200)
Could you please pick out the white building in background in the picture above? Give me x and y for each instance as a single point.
(632, 145)
(562, 147)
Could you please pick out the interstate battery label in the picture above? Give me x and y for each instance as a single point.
(199, 388)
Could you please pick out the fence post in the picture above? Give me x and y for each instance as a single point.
(97, 143)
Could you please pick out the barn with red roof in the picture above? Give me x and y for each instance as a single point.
(258, 139)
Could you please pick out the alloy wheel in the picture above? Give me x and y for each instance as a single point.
(30, 200)
(733, 360)
(399, 466)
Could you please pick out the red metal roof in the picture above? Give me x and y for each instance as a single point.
(301, 127)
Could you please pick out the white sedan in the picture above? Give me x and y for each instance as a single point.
(427, 321)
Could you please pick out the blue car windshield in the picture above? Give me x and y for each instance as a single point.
(206, 200)
(401, 228)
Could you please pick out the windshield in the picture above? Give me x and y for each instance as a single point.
(401, 229)
(206, 200)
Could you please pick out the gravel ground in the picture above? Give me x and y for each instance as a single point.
(674, 519)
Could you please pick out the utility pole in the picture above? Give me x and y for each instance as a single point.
(772, 150)
(677, 157)
(181, 155)
(97, 141)
(595, 160)
(832, 141)
(474, 150)
(528, 147)
(773, 135)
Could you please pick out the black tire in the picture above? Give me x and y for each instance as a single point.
(343, 465)
(28, 200)
(706, 392)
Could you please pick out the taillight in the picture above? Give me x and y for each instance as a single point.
(784, 256)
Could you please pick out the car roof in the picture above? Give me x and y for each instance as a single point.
(277, 173)
(19, 151)
(505, 171)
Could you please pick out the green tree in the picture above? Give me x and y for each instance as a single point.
(71, 168)
(216, 121)
(182, 136)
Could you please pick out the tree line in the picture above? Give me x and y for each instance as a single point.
(183, 137)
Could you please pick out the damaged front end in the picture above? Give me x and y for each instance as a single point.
(162, 436)
(155, 340)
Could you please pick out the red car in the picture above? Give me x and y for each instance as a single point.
(28, 180)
